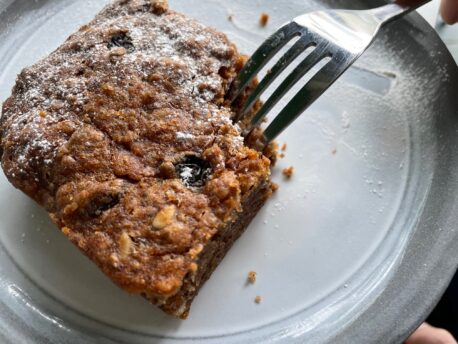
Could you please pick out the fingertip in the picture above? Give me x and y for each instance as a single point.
(449, 11)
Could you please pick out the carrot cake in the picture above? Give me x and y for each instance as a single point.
(123, 134)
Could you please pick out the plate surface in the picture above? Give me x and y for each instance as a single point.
(358, 245)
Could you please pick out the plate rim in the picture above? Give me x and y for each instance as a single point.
(445, 267)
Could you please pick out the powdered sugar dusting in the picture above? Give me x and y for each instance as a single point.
(186, 175)
(174, 47)
(183, 136)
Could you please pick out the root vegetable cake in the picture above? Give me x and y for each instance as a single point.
(124, 136)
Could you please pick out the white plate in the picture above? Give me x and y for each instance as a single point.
(331, 248)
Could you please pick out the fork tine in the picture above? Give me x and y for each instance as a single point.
(311, 60)
(301, 45)
(321, 81)
(263, 55)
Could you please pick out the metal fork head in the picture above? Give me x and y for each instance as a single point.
(340, 35)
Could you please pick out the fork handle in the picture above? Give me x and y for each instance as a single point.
(396, 9)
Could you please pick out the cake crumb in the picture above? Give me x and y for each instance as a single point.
(274, 186)
(263, 19)
(281, 155)
(288, 172)
(271, 152)
(258, 299)
(119, 51)
(334, 151)
(159, 6)
(230, 17)
(283, 147)
(252, 277)
(193, 267)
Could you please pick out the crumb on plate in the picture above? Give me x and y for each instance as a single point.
(288, 171)
(252, 277)
(258, 299)
(283, 147)
(263, 19)
(271, 151)
(274, 186)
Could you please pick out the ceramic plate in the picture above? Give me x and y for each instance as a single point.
(356, 247)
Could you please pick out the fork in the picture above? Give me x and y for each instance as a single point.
(340, 35)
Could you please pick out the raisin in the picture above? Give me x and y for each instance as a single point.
(122, 40)
(193, 170)
(101, 204)
(140, 241)
(145, 8)
(79, 72)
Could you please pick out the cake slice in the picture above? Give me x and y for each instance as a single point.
(124, 136)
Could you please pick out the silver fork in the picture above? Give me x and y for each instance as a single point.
(341, 35)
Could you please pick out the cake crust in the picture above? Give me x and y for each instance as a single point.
(123, 135)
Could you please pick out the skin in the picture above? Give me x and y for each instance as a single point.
(427, 334)
(449, 11)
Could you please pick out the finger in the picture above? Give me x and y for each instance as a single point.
(449, 11)
(427, 334)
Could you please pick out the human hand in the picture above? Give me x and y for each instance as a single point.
(427, 334)
(449, 11)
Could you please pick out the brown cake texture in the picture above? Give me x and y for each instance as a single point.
(123, 134)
